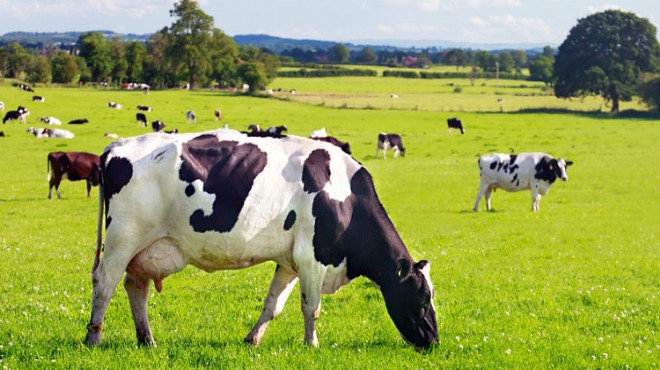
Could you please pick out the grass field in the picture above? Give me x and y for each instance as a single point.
(575, 285)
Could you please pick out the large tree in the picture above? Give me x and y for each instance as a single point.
(94, 49)
(605, 54)
(190, 41)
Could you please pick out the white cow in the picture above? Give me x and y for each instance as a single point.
(534, 171)
(49, 120)
(224, 200)
(51, 133)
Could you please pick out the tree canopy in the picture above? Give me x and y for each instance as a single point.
(605, 54)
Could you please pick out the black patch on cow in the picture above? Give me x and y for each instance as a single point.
(108, 220)
(116, 174)
(515, 177)
(547, 170)
(513, 168)
(316, 171)
(290, 220)
(513, 159)
(493, 165)
(499, 166)
(228, 170)
(190, 190)
(506, 167)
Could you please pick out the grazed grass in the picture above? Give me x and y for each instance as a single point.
(575, 285)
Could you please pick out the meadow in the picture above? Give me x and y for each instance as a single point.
(575, 285)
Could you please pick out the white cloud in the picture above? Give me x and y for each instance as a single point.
(406, 28)
(594, 9)
(506, 28)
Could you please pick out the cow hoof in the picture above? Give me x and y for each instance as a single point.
(92, 339)
(147, 342)
(252, 340)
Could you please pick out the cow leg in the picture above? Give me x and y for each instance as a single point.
(482, 190)
(89, 187)
(280, 288)
(105, 280)
(489, 191)
(54, 183)
(310, 300)
(138, 294)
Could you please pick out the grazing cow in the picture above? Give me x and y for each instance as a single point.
(318, 133)
(51, 133)
(390, 141)
(39, 99)
(141, 119)
(50, 120)
(157, 126)
(79, 121)
(534, 171)
(241, 201)
(114, 105)
(190, 117)
(334, 141)
(73, 166)
(144, 108)
(26, 88)
(218, 114)
(455, 123)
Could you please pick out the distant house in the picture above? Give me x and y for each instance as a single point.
(409, 61)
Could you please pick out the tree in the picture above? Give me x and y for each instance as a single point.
(253, 74)
(94, 50)
(541, 69)
(223, 59)
(454, 57)
(39, 70)
(64, 68)
(190, 41)
(339, 54)
(119, 63)
(520, 59)
(605, 54)
(134, 54)
(650, 93)
(367, 56)
(506, 62)
(19, 59)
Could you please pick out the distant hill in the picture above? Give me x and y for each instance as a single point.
(273, 43)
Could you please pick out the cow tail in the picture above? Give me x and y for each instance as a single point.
(99, 228)
(48, 167)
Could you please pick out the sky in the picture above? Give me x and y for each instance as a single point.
(540, 22)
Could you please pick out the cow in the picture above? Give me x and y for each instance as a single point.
(19, 114)
(114, 105)
(111, 135)
(218, 114)
(253, 127)
(39, 99)
(455, 123)
(2, 106)
(50, 133)
(157, 126)
(318, 133)
(534, 171)
(394, 96)
(390, 141)
(2, 134)
(175, 131)
(276, 130)
(78, 121)
(49, 120)
(190, 117)
(73, 166)
(25, 87)
(141, 119)
(241, 201)
(336, 142)
(144, 108)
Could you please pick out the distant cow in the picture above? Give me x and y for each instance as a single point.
(534, 171)
(218, 114)
(318, 133)
(111, 135)
(114, 105)
(222, 200)
(141, 119)
(157, 126)
(190, 117)
(39, 99)
(394, 96)
(78, 121)
(25, 87)
(334, 141)
(73, 166)
(455, 123)
(390, 141)
(20, 113)
(50, 120)
(276, 130)
(50, 133)
(254, 128)
(144, 108)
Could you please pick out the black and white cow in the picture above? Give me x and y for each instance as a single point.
(49, 120)
(39, 99)
(25, 87)
(455, 123)
(190, 117)
(114, 105)
(390, 141)
(241, 201)
(141, 119)
(534, 171)
(50, 133)
(144, 108)
(157, 126)
(277, 130)
(20, 113)
(2, 106)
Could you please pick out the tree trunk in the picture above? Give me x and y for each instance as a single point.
(615, 105)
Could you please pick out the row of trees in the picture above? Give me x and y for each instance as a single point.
(190, 50)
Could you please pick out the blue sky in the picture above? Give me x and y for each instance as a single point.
(468, 21)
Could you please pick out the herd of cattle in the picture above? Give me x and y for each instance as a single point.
(243, 198)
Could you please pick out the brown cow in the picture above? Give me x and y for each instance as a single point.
(73, 166)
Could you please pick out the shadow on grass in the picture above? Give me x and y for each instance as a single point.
(626, 114)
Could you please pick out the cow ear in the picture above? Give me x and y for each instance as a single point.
(423, 266)
(403, 269)
(568, 163)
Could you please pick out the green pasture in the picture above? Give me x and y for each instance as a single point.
(575, 285)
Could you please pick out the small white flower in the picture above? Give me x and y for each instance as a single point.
(508, 351)
(601, 339)
(605, 356)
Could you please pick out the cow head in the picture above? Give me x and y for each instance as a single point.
(560, 168)
(409, 302)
